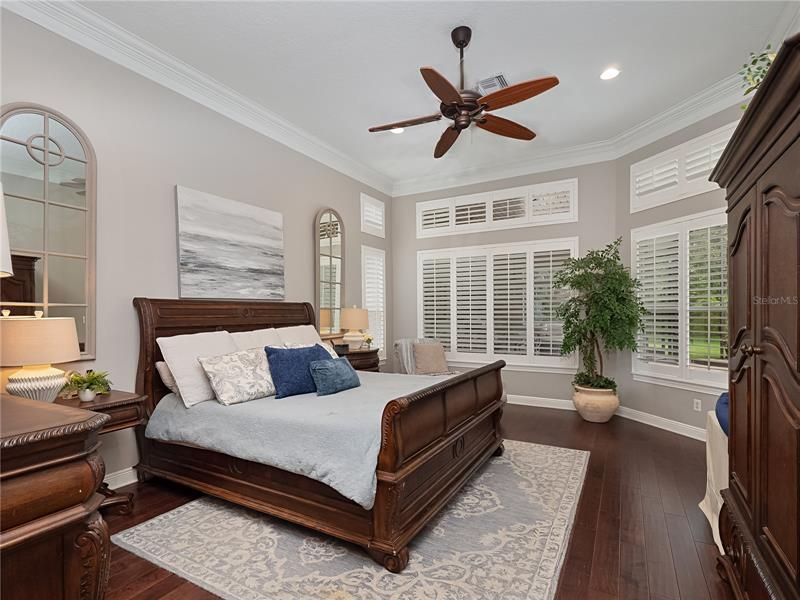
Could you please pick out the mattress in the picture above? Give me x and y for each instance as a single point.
(333, 439)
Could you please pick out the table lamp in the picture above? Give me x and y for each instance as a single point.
(354, 320)
(34, 344)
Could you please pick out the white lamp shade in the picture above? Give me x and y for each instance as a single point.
(355, 318)
(6, 269)
(31, 341)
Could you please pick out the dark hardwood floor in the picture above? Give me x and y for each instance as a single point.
(638, 533)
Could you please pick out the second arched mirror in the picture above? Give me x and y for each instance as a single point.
(329, 270)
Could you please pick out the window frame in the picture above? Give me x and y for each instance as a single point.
(527, 362)
(9, 110)
(527, 219)
(379, 252)
(366, 227)
(683, 375)
(684, 187)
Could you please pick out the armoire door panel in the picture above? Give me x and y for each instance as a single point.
(741, 232)
(779, 303)
(779, 463)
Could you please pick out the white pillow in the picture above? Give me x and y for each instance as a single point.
(181, 353)
(239, 376)
(328, 348)
(260, 338)
(302, 335)
(166, 377)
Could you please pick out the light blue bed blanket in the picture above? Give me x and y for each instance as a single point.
(334, 439)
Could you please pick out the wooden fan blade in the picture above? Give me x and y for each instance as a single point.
(502, 126)
(518, 92)
(443, 89)
(408, 123)
(448, 138)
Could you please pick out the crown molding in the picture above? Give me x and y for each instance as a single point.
(721, 95)
(97, 34)
(100, 35)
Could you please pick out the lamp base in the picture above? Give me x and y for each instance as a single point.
(354, 339)
(39, 382)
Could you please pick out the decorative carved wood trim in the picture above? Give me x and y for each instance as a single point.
(94, 422)
(92, 545)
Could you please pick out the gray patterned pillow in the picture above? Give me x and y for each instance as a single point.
(239, 376)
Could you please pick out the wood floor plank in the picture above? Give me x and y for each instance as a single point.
(621, 512)
(691, 581)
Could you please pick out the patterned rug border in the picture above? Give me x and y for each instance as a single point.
(577, 479)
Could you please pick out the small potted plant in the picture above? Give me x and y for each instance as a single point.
(368, 340)
(89, 385)
(603, 310)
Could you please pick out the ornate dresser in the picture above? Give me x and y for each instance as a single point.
(53, 542)
(760, 169)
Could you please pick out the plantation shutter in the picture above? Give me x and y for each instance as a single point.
(657, 178)
(700, 162)
(510, 303)
(658, 271)
(436, 316)
(374, 281)
(471, 304)
(708, 297)
(547, 330)
(551, 203)
(435, 218)
(470, 214)
(507, 209)
(372, 216)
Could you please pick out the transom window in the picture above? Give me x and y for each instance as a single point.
(48, 171)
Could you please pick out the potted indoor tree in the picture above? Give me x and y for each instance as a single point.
(602, 312)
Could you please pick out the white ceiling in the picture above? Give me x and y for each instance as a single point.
(333, 69)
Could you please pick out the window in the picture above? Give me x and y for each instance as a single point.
(372, 216)
(48, 181)
(682, 268)
(679, 172)
(373, 286)
(497, 301)
(539, 204)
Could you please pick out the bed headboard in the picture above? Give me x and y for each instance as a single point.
(166, 317)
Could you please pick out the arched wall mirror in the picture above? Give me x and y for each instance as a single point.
(329, 247)
(48, 182)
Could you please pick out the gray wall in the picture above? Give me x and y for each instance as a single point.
(603, 214)
(147, 140)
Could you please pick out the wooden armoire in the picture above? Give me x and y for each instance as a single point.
(760, 170)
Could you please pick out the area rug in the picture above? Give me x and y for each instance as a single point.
(504, 536)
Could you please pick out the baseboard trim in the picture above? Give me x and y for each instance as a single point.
(690, 431)
(120, 478)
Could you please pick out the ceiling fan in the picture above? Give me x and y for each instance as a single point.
(465, 107)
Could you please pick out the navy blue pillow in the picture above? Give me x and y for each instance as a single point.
(723, 412)
(331, 376)
(290, 370)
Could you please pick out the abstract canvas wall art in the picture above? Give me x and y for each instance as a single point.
(228, 249)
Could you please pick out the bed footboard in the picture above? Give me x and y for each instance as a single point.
(432, 442)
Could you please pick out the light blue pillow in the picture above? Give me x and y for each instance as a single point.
(290, 368)
(332, 376)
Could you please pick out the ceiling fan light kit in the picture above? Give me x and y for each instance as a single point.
(465, 107)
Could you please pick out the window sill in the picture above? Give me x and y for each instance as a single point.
(554, 369)
(689, 386)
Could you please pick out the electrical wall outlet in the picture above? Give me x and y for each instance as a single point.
(698, 406)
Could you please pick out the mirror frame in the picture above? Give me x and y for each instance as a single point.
(317, 287)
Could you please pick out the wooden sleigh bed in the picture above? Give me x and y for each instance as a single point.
(432, 440)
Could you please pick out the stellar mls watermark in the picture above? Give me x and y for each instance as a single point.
(776, 300)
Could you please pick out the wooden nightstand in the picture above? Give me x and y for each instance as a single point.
(126, 410)
(362, 360)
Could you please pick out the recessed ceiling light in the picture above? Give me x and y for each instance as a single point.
(397, 130)
(609, 73)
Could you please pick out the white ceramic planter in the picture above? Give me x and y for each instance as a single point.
(86, 395)
(595, 405)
